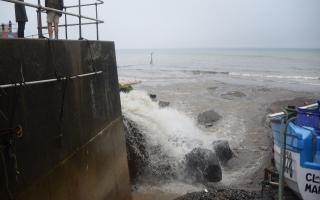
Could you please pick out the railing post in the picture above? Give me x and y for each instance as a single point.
(80, 31)
(97, 23)
(40, 35)
(65, 24)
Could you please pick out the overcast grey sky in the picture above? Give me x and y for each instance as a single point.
(198, 23)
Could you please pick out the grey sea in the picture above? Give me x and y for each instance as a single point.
(297, 69)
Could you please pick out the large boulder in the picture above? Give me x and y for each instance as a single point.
(223, 150)
(138, 157)
(207, 118)
(203, 165)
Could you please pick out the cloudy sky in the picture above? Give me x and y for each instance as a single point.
(197, 23)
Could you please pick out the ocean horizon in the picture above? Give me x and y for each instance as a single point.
(278, 67)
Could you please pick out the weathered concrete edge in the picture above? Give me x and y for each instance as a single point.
(47, 187)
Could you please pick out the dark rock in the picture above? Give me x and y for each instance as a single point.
(207, 118)
(203, 165)
(212, 88)
(163, 104)
(153, 97)
(264, 89)
(232, 94)
(138, 157)
(223, 150)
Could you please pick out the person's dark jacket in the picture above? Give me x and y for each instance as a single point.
(20, 10)
(56, 4)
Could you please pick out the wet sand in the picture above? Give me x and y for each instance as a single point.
(243, 109)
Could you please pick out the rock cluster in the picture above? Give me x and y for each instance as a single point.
(220, 194)
(162, 104)
(200, 165)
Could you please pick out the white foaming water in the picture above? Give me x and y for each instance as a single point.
(275, 76)
(173, 131)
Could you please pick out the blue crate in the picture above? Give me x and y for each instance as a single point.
(309, 117)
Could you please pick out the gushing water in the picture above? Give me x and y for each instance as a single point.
(169, 134)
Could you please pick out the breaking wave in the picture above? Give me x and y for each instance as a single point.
(254, 75)
(175, 132)
(275, 76)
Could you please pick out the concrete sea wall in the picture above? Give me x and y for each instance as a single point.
(72, 144)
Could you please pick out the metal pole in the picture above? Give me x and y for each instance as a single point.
(65, 23)
(40, 35)
(97, 24)
(80, 31)
(72, 24)
(82, 5)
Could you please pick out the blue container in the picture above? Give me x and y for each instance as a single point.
(309, 117)
(316, 158)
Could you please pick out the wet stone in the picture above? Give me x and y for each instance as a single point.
(138, 157)
(223, 150)
(163, 104)
(208, 118)
(153, 97)
(233, 94)
(212, 88)
(203, 165)
(220, 194)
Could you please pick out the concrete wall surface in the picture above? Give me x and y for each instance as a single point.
(72, 144)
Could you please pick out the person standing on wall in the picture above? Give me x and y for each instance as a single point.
(53, 17)
(21, 18)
